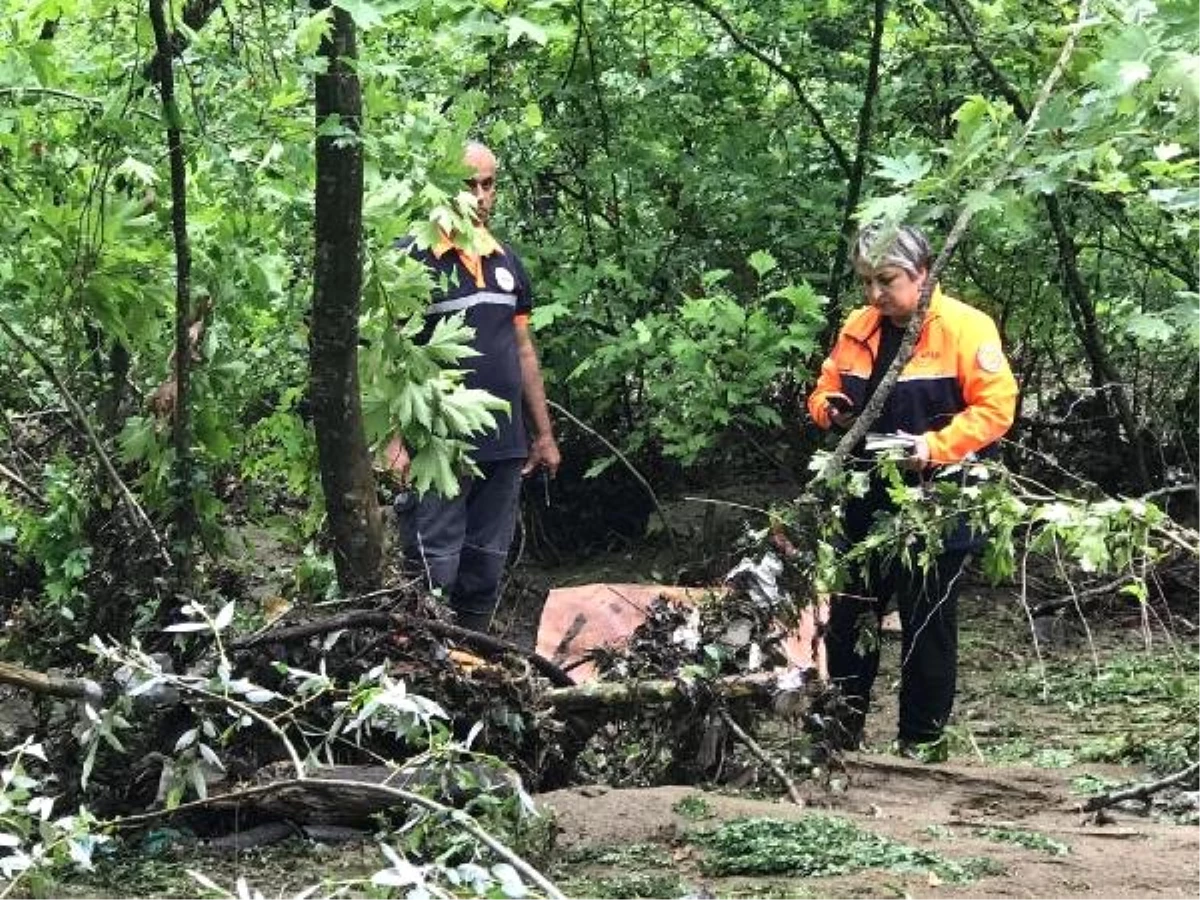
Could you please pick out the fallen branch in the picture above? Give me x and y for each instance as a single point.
(1141, 791)
(753, 746)
(759, 687)
(49, 685)
(1091, 595)
(334, 788)
(9, 475)
(396, 621)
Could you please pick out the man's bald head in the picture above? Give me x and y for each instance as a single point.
(482, 184)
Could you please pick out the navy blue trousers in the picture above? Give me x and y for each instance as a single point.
(928, 606)
(461, 544)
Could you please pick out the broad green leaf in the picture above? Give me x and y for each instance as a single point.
(761, 262)
(311, 31)
(903, 171)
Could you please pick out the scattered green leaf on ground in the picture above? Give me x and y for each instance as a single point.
(820, 845)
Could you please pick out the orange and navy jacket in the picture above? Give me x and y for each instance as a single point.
(957, 390)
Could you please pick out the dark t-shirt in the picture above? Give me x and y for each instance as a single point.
(489, 310)
(890, 338)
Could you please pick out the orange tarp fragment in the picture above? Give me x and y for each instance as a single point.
(578, 619)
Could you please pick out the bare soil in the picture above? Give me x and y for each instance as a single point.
(941, 808)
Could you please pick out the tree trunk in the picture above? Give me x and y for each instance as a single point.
(1104, 373)
(344, 458)
(181, 432)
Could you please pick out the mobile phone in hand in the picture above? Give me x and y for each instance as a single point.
(840, 403)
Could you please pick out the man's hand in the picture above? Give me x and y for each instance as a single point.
(543, 453)
(396, 461)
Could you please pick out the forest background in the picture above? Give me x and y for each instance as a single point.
(190, 316)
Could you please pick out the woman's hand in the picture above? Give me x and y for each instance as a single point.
(396, 461)
(840, 409)
(918, 460)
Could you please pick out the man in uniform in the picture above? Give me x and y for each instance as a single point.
(461, 543)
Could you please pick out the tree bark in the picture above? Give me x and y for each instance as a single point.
(857, 174)
(344, 459)
(181, 431)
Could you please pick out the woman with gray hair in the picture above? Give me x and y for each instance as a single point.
(955, 399)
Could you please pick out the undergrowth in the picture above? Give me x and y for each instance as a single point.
(1137, 707)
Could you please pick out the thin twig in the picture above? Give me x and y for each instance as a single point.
(135, 510)
(753, 746)
(628, 465)
(9, 475)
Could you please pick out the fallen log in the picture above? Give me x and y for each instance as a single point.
(295, 792)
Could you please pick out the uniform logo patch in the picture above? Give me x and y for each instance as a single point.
(990, 358)
(505, 279)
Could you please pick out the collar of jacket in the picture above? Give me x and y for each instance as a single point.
(863, 327)
(483, 245)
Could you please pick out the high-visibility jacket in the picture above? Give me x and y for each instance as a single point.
(957, 390)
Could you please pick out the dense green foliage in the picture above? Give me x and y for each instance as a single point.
(678, 198)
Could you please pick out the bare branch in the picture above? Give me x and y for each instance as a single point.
(786, 74)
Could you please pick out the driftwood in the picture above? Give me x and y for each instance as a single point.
(51, 685)
(345, 795)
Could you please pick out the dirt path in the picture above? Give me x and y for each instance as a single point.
(956, 811)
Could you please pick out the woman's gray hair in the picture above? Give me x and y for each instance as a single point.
(905, 246)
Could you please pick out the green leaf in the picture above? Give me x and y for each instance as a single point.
(761, 262)
(364, 13)
(902, 171)
(1149, 329)
(1183, 75)
(137, 170)
(312, 30)
(522, 28)
(532, 115)
(893, 208)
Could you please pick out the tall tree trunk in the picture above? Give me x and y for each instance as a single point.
(854, 185)
(344, 459)
(1104, 373)
(181, 432)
